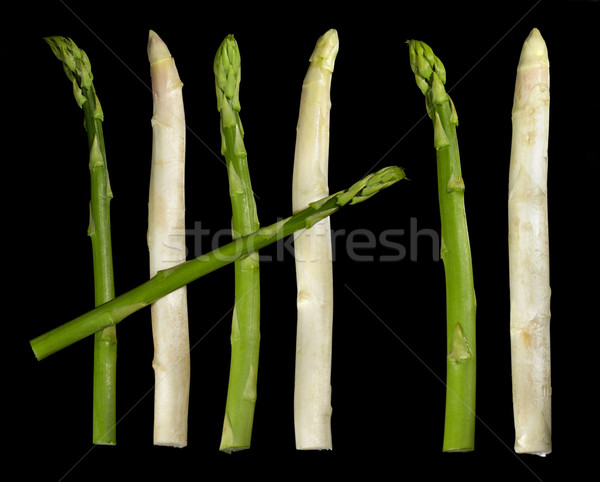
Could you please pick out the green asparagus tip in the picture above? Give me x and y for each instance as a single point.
(371, 185)
(75, 63)
(425, 65)
(227, 70)
(430, 76)
(378, 181)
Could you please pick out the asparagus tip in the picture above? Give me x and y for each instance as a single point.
(380, 180)
(227, 70)
(326, 49)
(370, 185)
(75, 62)
(157, 49)
(426, 66)
(534, 49)
(533, 71)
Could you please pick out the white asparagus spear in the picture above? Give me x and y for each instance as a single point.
(313, 253)
(529, 251)
(166, 242)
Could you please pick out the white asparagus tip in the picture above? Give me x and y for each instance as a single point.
(157, 49)
(534, 50)
(326, 49)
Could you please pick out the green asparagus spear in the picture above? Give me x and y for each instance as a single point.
(245, 332)
(170, 279)
(77, 67)
(430, 75)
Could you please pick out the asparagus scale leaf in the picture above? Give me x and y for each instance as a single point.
(77, 67)
(459, 428)
(168, 280)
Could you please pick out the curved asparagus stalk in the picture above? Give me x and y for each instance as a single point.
(245, 331)
(459, 429)
(312, 248)
(529, 251)
(166, 242)
(170, 279)
(78, 69)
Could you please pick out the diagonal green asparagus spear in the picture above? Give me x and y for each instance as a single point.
(77, 67)
(245, 331)
(430, 75)
(168, 280)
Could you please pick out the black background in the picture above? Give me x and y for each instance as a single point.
(389, 335)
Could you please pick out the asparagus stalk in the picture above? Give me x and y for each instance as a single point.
(529, 250)
(459, 429)
(245, 331)
(170, 279)
(166, 243)
(77, 66)
(313, 256)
